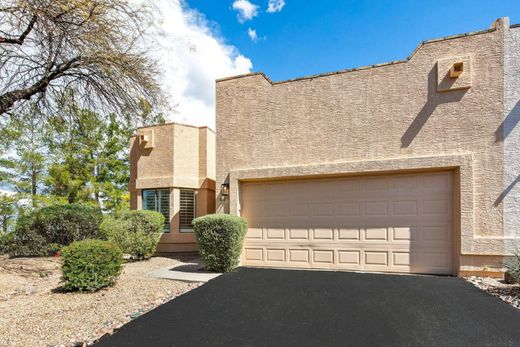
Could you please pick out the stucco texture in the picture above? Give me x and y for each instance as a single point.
(509, 134)
(389, 112)
(182, 156)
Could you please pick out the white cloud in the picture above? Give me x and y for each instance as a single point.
(6, 192)
(192, 55)
(275, 5)
(246, 10)
(252, 34)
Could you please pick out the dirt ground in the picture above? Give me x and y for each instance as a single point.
(34, 313)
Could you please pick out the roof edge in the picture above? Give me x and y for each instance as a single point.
(176, 123)
(367, 67)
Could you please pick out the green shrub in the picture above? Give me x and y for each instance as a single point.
(219, 239)
(90, 265)
(43, 231)
(136, 232)
(513, 269)
(6, 242)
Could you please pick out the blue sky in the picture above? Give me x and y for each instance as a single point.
(310, 37)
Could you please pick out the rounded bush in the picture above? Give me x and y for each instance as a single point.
(42, 231)
(136, 232)
(220, 238)
(90, 265)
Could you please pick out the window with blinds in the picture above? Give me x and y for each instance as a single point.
(158, 200)
(186, 209)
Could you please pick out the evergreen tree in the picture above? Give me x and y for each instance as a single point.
(89, 158)
(23, 161)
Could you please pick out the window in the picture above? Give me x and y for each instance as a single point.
(158, 200)
(187, 209)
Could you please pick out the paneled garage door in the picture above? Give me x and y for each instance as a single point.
(397, 223)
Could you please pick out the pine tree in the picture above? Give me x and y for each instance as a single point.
(23, 161)
(89, 158)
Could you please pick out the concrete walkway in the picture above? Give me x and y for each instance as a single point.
(188, 272)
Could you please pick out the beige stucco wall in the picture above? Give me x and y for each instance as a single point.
(509, 135)
(390, 115)
(183, 156)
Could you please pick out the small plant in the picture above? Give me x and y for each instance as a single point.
(136, 232)
(90, 265)
(219, 239)
(513, 269)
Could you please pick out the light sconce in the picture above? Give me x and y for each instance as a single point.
(224, 189)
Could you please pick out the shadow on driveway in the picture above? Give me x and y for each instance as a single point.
(263, 307)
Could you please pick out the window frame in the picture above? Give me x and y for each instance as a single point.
(185, 229)
(157, 203)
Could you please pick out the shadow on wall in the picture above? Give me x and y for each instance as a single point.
(144, 152)
(509, 123)
(504, 130)
(434, 99)
(506, 191)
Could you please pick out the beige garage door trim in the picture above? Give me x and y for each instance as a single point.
(389, 223)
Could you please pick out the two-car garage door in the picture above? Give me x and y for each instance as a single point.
(398, 223)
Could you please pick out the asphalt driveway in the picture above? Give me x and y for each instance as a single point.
(261, 307)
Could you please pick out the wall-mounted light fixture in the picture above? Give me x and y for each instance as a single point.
(224, 189)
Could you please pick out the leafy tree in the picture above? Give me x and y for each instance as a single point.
(74, 155)
(7, 212)
(89, 158)
(94, 47)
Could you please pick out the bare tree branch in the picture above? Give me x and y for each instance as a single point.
(96, 48)
(8, 99)
(21, 38)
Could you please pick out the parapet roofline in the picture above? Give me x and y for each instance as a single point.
(445, 38)
(176, 123)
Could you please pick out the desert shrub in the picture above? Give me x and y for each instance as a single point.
(44, 231)
(6, 242)
(219, 239)
(90, 265)
(136, 232)
(513, 268)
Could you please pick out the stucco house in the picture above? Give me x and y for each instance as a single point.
(172, 171)
(409, 166)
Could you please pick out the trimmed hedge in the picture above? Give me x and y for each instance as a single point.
(90, 265)
(136, 232)
(220, 238)
(44, 231)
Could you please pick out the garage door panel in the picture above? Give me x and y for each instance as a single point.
(299, 256)
(347, 234)
(275, 255)
(400, 223)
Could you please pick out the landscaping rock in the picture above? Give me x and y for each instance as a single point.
(34, 313)
(509, 293)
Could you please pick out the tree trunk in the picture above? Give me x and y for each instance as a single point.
(34, 185)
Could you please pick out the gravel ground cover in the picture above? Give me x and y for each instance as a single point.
(509, 293)
(33, 311)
